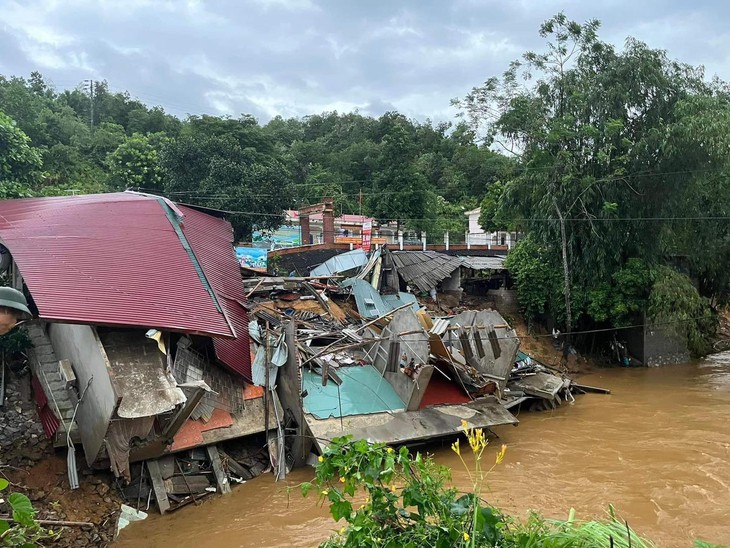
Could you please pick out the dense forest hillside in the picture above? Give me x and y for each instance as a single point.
(392, 168)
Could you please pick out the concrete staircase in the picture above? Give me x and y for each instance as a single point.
(44, 363)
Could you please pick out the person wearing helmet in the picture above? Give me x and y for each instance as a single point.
(13, 309)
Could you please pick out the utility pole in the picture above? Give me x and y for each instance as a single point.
(566, 282)
(91, 101)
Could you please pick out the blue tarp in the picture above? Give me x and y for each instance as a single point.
(363, 391)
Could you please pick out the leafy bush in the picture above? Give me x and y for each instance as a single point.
(538, 282)
(16, 340)
(25, 531)
(675, 303)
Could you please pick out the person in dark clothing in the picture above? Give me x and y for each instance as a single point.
(13, 309)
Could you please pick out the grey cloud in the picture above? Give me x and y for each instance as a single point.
(297, 57)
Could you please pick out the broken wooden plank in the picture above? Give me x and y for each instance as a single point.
(322, 302)
(187, 485)
(232, 464)
(185, 411)
(221, 478)
(158, 484)
(593, 389)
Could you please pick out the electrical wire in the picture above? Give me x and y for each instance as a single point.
(579, 332)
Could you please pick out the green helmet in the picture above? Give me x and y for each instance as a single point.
(12, 298)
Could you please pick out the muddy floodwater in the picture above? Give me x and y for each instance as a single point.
(658, 449)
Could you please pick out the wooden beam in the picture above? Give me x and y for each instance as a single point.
(182, 415)
(158, 485)
(594, 389)
(221, 478)
(232, 464)
(312, 209)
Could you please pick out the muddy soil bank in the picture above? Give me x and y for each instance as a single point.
(31, 465)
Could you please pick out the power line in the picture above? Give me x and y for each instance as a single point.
(443, 217)
(581, 332)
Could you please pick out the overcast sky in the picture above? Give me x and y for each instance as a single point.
(299, 57)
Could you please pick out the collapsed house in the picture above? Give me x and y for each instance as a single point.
(365, 358)
(141, 348)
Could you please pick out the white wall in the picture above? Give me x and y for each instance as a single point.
(80, 344)
(474, 227)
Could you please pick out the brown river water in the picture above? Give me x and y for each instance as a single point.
(657, 448)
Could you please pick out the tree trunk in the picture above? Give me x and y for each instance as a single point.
(566, 282)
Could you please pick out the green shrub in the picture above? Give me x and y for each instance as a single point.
(24, 531)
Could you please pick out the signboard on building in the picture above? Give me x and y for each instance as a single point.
(284, 236)
(367, 232)
(252, 257)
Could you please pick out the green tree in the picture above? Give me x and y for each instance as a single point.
(593, 129)
(213, 168)
(20, 163)
(135, 164)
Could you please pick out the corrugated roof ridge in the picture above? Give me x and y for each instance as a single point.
(175, 222)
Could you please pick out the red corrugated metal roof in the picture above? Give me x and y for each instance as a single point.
(212, 241)
(114, 259)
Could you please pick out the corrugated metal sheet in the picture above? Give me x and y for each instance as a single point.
(371, 304)
(440, 325)
(368, 300)
(341, 263)
(363, 391)
(212, 241)
(48, 418)
(424, 269)
(108, 259)
(483, 263)
(394, 301)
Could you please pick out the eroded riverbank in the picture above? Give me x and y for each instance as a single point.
(657, 448)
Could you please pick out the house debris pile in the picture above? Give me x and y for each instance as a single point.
(140, 351)
(363, 356)
(190, 476)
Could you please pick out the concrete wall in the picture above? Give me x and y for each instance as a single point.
(453, 282)
(80, 344)
(414, 345)
(505, 300)
(654, 345)
(663, 347)
(474, 228)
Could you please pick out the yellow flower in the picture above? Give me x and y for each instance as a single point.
(325, 492)
(466, 535)
(500, 454)
(342, 480)
(464, 425)
(455, 447)
(342, 531)
(390, 449)
(477, 439)
(393, 488)
(320, 458)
